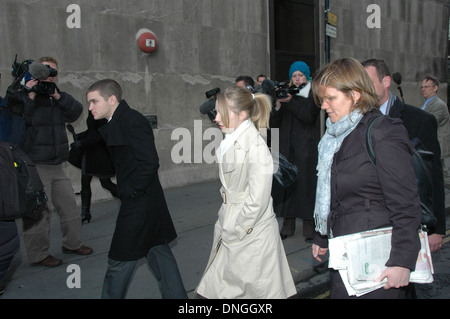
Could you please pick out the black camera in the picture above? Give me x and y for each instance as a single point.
(28, 70)
(209, 107)
(42, 87)
(283, 89)
(212, 93)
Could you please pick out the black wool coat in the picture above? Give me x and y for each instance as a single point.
(144, 220)
(97, 161)
(423, 125)
(299, 136)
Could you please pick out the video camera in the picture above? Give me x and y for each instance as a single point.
(46, 88)
(24, 72)
(29, 70)
(209, 107)
(283, 89)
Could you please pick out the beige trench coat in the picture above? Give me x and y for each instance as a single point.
(247, 258)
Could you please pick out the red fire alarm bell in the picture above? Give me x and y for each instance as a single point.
(147, 42)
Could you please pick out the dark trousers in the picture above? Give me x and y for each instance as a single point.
(104, 181)
(9, 245)
(163, 266)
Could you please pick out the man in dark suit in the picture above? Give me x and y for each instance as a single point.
(144, 227)
(420, 125)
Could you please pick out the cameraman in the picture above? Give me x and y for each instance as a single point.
(297, 116)
(47, 146)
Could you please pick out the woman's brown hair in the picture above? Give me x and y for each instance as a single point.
(346, 75)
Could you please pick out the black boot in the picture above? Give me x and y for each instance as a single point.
(86, 206)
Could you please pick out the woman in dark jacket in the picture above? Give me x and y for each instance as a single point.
(296, 117)
(96, 162)
(352, 194)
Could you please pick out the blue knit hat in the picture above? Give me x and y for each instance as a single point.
(300, 66)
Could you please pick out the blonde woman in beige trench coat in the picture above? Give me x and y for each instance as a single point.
(247, 258)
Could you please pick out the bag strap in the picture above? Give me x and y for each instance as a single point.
(369, 141)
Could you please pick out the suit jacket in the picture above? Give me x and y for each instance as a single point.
(422, 125)
(439, 109)
(143, 220)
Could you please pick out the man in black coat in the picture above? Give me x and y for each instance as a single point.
(421, 125)
(144, 227)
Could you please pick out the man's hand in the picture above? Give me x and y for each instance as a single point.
(31, 84)
(56, 95)
(435, 241)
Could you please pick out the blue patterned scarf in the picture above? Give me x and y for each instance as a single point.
(329, 145)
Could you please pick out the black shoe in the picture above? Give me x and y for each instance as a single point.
(86, 218)
(86, 206)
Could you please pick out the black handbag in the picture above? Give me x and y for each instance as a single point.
(76, 156)
(286, 173)
(76, 153)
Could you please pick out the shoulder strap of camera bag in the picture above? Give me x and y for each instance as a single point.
(369, 140)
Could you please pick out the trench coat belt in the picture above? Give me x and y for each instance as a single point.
(232, 197)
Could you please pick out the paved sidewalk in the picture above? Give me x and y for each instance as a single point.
(194, 212)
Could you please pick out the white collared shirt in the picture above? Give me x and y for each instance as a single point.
(383, 107)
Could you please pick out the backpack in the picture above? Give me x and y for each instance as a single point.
(423, 167)
(12, 120)
(12, 127)
(21, 191)
(5, 121)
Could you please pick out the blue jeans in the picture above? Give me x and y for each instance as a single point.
(163, 266)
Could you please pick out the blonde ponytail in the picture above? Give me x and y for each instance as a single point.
(260, 114)
(238, 99)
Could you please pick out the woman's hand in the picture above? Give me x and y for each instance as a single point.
(397, 277)
(318, 251)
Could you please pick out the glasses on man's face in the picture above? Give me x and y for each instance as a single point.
(427, 86)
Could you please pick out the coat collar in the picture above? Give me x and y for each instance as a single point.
(247, 137)
(105, 130)
(397, 109)
(243, 142)
(120, 110)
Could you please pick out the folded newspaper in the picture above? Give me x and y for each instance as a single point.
(361, 258)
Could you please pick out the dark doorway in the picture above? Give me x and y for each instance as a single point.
(293, 35)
